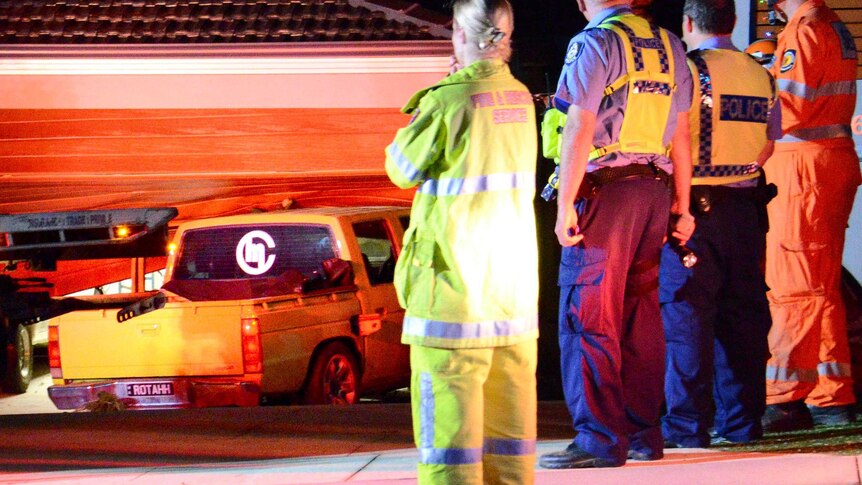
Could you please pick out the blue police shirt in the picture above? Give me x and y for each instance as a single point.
(596, 58)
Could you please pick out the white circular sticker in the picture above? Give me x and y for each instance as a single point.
(251, 254)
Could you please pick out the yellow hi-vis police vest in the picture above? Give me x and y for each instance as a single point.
(732, 98)
(650, 81)
(467, 275)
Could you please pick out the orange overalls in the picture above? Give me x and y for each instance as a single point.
(816, 170)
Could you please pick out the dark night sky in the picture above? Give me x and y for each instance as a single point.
(543, 29)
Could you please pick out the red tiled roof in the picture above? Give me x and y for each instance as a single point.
(215, 21)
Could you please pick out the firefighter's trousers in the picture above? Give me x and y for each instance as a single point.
(474, 414)
(804, 247)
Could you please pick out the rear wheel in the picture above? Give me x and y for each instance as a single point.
(18, 361)
(333, 377)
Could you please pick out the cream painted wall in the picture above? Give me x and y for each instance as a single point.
(853, 247)
(743, 24)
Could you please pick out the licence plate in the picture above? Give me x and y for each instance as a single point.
(150, 389)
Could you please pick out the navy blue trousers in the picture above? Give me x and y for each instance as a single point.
(610, 330)
(716, 322)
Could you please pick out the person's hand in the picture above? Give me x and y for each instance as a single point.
(454, 65)
(567, 230)
(683, 228)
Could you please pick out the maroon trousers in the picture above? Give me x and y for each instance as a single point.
(610, 329)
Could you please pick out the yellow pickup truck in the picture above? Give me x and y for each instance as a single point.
(297, 304)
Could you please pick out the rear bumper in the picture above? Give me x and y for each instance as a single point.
(159, 393)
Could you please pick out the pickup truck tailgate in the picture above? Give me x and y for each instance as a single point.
(181, 339)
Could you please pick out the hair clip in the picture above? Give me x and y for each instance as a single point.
(496, 36)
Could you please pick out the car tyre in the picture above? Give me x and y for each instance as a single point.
(19, 361)
(333, 377)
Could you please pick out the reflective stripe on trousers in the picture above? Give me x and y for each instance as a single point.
(816, 133)
(824, 369)
(804, 247)
(474, 413)
(472, 330)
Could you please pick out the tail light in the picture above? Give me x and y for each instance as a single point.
(54, 352)
(124, 231)
(252, 356)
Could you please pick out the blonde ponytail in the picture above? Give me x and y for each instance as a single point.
(488, 25)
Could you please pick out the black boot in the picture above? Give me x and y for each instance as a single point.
(787, 416)
(832, 415)
(574, 457)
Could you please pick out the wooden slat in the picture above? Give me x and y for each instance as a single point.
(204, 162)
(285, 152)
(847, 10)
(57, 123)
(764, 30)
(837, 5)
(850, 11)
(855, 28)
(848, 4)
(165, 141)
(196, 196)
(850, 16)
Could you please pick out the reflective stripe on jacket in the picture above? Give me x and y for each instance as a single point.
(815, 70)
(732, 98)
(650, 81)
(468, 272)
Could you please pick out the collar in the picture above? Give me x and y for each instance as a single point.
(607, 13)
(480, 69)
(477, 70)
(718, 42)
(804, 9)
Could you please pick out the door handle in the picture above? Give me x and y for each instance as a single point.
(149, 329)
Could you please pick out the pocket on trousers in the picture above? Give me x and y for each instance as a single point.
(800, 269)
(579, 266)
(581, 274)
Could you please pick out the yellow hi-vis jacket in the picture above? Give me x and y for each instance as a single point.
(733, 95)
(650, 80)
(468, 272)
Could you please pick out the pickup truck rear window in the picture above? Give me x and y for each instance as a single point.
(260, 251)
